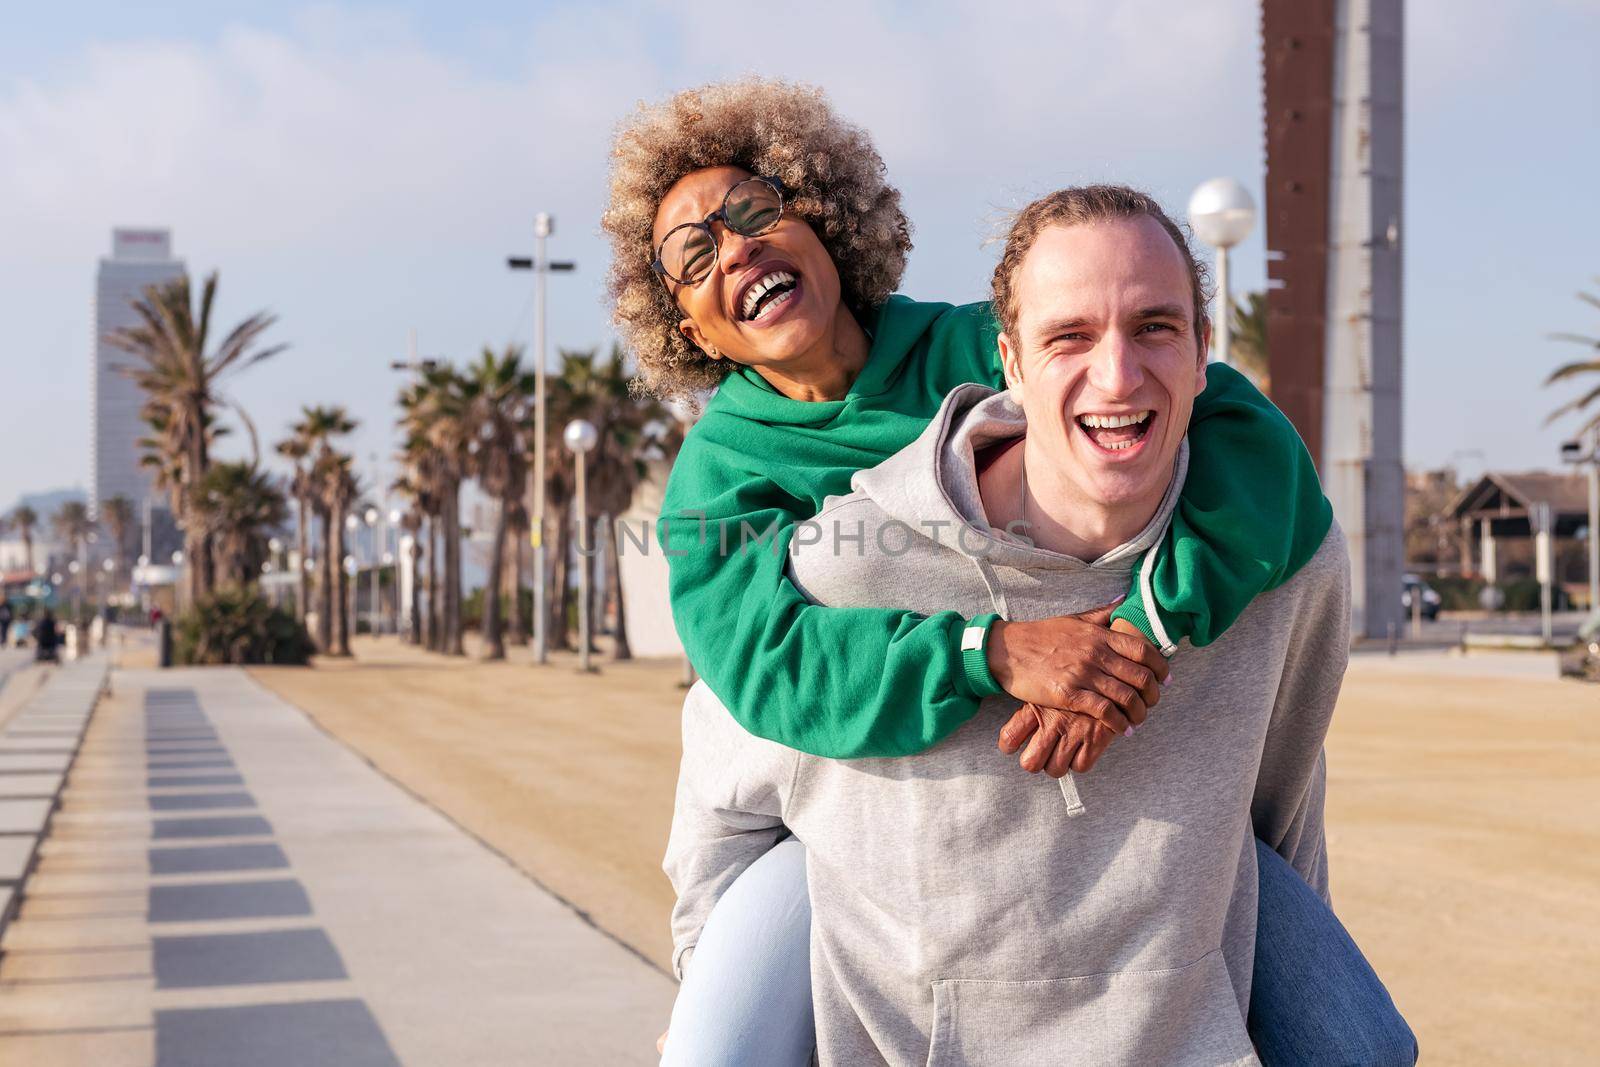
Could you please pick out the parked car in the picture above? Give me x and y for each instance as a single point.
(1430, 599)
(1582, 660)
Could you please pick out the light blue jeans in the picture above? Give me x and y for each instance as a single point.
(746, 999)
(746, 995)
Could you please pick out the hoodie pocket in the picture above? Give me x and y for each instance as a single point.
(1182, 1016)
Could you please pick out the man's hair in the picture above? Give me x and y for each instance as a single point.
(1083, 205)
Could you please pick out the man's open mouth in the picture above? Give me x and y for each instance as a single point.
(767, 294)
(1117, 433)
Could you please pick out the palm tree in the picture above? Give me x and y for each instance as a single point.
(327, 484)
(73, 525)
(632, 429)
(499, 420)
(180, 379)
(565, 399)
(26, 520)
(239, 506)
(411, 521)
(413, 525)
(436, 597)
(1590, 365)
(162, 455)
(450, 433)
(639, 429)
(338, 490)
(421, 482)
(118, 516)
(296, 448)
(436, 415)
(517, 526)
(1247, 349)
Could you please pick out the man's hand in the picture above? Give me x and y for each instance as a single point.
(1058, 741)
(1075, 663)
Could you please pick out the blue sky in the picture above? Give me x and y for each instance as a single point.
(362, 169)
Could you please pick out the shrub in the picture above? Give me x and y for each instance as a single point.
(1522, 594)
(1458, 594)
(239, 626)
(472, 609)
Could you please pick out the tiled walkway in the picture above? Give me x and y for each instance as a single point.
(227, 886)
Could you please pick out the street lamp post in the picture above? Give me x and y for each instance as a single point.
(87, 577)
(1572, 452)
(1222, 213)
(373, 516)
(1594, 519)
(580, 438)
(1544, 563)
(109, 567)
(394, 535)
(352, 572)
(543, 226)
(75, 568)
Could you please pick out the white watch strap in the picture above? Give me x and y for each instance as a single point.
(972, 638)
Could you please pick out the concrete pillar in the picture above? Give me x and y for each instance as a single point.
(1361, 463)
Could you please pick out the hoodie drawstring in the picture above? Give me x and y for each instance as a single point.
(1147, 590)
(991, 582)
(997, 597)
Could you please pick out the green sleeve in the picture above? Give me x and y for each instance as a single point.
(834, 682)
(1251, 514)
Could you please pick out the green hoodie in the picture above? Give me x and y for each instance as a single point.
(853, 682)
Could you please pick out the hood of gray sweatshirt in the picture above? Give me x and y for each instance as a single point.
(966, 912)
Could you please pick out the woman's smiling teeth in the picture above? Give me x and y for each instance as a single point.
(770, 291)
(1114, 433)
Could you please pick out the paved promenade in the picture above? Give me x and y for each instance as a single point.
(225, 884)
(12, 659)
(1464, 851)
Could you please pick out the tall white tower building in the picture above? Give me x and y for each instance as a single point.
(139, 258)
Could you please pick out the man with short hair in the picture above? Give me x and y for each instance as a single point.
(964, 911)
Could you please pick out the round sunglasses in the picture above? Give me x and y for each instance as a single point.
(688, 253)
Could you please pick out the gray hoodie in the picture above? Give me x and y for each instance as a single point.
(966, 912)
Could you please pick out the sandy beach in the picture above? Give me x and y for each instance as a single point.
(1460, 811)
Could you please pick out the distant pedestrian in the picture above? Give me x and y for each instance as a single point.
(45, 638)
(5, 622)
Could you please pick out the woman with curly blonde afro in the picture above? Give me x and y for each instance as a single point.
(832, 179)
(757, 245)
